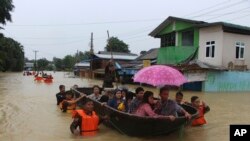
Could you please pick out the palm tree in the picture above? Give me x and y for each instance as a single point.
(6, 7)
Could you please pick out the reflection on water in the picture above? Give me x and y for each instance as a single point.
(28, 112)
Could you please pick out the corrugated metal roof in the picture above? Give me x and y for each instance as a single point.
(119, 57)
(117, 53)
(82, 64)
(149, 55)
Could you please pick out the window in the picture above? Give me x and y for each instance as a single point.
(168, 40)
(188, 38)
(240, 50)
(210, 48)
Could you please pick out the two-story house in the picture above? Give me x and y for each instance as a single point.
(211, 49)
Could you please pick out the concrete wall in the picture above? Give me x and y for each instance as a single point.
(214, 33)
(227, 82)
(229, 49)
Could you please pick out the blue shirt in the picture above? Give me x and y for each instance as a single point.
(169, 107)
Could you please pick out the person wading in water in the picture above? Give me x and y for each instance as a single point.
(111, 75)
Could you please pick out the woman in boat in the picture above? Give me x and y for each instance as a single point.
(145, 108)
(69, 103)
(86, 119)
(128, 100)
(117, 101)
(96, 95)
(202, 108)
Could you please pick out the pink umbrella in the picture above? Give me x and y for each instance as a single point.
(160, 75)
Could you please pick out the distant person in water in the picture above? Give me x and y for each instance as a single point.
(86, 120)
(61, 95)
(111, 75)
(202, 108)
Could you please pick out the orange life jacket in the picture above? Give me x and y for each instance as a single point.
(200, 120)
(89, 125)
(70, 107)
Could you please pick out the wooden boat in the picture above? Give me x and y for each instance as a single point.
(133, 125)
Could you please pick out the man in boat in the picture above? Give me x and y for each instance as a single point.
(179, 98)
(202, 108)
(86, 119)
(61, 95)
(137, 100)
(167, 107)
(111, 75)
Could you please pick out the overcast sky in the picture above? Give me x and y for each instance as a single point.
(59, 27)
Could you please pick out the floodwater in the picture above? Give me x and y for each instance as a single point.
(28, 112)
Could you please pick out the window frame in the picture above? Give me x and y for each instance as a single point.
(241, 46)
(210, 49)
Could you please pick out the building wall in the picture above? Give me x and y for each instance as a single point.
(231, 81)
(229, 49)
(211, 34)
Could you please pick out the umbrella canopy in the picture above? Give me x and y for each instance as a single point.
(160, 75)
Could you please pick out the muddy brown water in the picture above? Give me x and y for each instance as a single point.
(28, 112)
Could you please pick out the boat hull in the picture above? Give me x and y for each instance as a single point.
(133, 125)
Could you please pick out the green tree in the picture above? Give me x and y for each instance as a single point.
(6, 7)
(11, 55)
(68, 62)
(42, 64)
(117, 45)
(82, 56)
(58, 63)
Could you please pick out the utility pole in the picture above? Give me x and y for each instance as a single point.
(110, 46)
(35, 65)
(91, 74)
(91, 44)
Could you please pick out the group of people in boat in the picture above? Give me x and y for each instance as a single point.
(43, 75)
(142, 103)
(27, 73)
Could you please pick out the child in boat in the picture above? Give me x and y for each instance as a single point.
(86, 119)
(117, 100)
(145, 108)
(97, 93)
(202, 108)
(61, 95)
(69, 103)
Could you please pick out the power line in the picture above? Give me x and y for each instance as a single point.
(233, 12)
(236, 18)
(219, 9)
(92, 23)
(213, 6)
